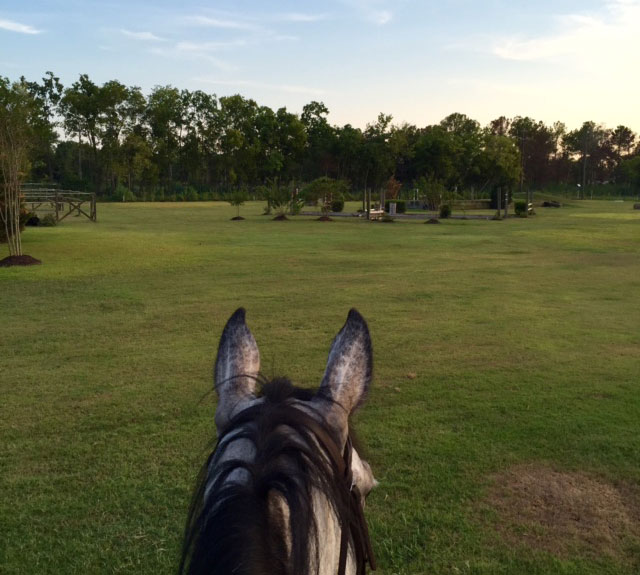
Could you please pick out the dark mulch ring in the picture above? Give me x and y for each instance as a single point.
(432, 221)
(237, 218)
(19, 261)
(324, 219)
(280, 218)
(566, 513)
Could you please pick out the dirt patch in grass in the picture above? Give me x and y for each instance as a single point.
(19, 261)
(567, 513)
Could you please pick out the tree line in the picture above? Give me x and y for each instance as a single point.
(114, 140)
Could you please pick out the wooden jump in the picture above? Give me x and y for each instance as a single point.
(61, 202)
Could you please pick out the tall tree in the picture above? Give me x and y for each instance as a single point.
(164, 115)
(321, 141)
(46, 96)
(586, 142)
(80, 108)
(18, 114)
(466, 138)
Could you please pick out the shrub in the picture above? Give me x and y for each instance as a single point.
(237, 199)
(325, 190)
(48, 221)
(124, 194)
(337, 205)
(401, 206)
(296, 206)
(445, 210)
(431, 192)
(191, 194)
(521, 208)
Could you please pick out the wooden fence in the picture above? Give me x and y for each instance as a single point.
(61, 203)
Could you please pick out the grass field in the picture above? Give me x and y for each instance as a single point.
(503, 423)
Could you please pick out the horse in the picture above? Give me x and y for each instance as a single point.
(283, 491)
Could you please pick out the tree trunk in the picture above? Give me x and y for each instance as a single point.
(584, 176)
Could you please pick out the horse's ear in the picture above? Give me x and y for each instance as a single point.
(349, 369)
(237, 368)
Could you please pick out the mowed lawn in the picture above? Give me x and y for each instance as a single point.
(503, 423)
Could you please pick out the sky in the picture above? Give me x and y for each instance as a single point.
(419, 61)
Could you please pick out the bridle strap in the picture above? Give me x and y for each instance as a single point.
(343, 468)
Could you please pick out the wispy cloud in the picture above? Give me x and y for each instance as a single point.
(208, 47)
(146, 36)
(605, 36)
(225, 23)
(301, 17)
(287, 88)
(12, 26)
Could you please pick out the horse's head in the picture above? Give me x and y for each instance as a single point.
(284, 490)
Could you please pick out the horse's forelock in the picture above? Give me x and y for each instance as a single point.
(255, 505)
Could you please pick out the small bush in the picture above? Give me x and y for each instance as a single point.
(401, 206)
(48, 221)
(191, 194)
(445, 211)
(296, 206)
(337, 205)
(521, 208)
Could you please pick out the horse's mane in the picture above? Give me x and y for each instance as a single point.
(232, 529)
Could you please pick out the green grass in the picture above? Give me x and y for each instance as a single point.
(496, 343)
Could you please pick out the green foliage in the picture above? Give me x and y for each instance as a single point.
(124, 194)
(501, 192)
(629, 172)
(238, 198)
(191, 194)
(445, 210)
(431, 191)
(401, 206)
(324, 191)
(521, 208)
(337, 205)
(48, 221)
(279, 198)
(172, 141)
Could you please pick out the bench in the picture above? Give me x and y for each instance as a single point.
(375, 214)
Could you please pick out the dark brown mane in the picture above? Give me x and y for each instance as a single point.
(232, 531)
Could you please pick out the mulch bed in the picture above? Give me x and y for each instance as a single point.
(432, 221)
(281, 218)
(237, 218)
(19, 261)
(324, 219)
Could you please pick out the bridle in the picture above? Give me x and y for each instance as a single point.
(356, 528)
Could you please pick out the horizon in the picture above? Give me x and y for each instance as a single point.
(419, 62)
